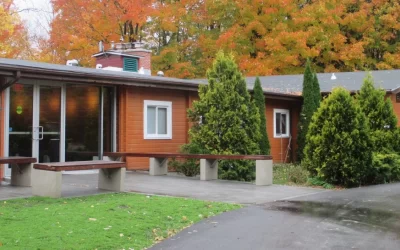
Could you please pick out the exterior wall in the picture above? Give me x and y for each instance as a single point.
(130, 132)
(131, 138)
(279, 146)
(110, 61)
(145, 60)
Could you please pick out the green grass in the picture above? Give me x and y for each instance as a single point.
(107, 221)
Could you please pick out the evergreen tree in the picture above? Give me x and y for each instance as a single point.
(311, 99)
(259, 99)
(225, 119)
(316, 91)
(381, 117)
(338, 146)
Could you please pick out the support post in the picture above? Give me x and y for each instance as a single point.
(208, 169)
(21, 175)
(112, 179)
(46, 183)
(264, 175)
(158, 166)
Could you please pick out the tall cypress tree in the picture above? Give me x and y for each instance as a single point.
(225, 119)
(311, 100)
(259, 99)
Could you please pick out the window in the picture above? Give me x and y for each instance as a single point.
(157, 120)
(281, 123)
(398, 97)
(130, 64)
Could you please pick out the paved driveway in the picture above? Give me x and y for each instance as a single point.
(363, 218)
(172, 185)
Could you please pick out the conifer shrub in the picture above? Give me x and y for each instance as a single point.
(338, 144)
(225, 120)
(259, 99)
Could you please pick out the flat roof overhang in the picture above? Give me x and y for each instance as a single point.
(43, 71)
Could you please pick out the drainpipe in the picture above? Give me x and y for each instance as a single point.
(17, 76)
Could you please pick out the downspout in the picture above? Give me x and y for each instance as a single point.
(17, 76)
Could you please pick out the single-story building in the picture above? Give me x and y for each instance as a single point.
(65, 113)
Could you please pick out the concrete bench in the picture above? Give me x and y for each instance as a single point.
(21, 169)
(208, 163)
(47, 177)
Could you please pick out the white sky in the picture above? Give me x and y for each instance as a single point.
(37, 14)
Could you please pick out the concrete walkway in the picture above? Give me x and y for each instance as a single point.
(172, 185)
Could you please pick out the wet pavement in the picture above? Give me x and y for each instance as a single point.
(173, 185)
(362, 218)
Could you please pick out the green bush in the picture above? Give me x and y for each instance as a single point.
(315, 181)
(188, 167)
(290, 173)
(386, 168)
(338, 144)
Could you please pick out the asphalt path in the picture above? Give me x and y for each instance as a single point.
(360, 218)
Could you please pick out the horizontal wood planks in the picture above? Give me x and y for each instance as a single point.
(78, 165)
(17, 160)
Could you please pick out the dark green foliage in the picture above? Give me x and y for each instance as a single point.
(386, 168)
(259, 99)
(188, 167)
(338, 146)
(381, 118)
(225, 119)
(315, 181)
(311, 100)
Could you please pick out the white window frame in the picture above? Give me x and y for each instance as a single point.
(159, 104)
(282, 111)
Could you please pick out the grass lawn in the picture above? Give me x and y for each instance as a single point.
(107, 221)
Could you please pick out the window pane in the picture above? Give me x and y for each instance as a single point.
(278, 123)
(151, 120)
(162, 121)
(283, 119)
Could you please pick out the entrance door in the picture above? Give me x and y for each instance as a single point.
(47, 125)
(20, 122)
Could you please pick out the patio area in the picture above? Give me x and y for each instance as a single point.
(173, 185)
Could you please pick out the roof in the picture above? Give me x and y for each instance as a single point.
(47, 71)
(389, 80)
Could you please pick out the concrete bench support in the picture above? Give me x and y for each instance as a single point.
(208, 170)
(46, 183)
(264, 174)
(112, 179)
(158, 166)
(21, 174)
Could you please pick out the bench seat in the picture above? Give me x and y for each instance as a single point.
(47, 177)
(208, 163)
(21, 169)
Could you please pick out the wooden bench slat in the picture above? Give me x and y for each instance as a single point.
(78, 165)
(17, 160)
(189, 156)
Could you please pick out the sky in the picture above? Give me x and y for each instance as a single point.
(37, 14)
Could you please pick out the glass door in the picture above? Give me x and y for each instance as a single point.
(20, 122)
(47, 127)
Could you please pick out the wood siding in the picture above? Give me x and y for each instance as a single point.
(396, 106)
(131, 138)
(130, 132)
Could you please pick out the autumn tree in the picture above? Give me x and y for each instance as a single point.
(225, 119)
(14, 40)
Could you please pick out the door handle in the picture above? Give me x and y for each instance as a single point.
(41, 138)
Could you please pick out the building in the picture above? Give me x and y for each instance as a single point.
(67, 113)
